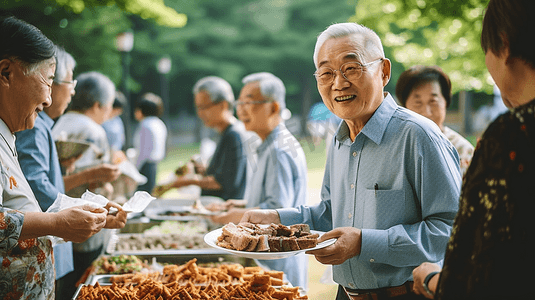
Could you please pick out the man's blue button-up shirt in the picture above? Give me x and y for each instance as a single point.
(276, 178)
(399, 181)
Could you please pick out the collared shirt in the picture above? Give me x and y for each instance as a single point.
(115, 132)
(229, 163)
(277, 172)
(463, 146)
(27, 270)
(399, 181)
(39, 161)
(277, 177)
(150, 139)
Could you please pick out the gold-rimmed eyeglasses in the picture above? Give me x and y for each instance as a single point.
(350, 71)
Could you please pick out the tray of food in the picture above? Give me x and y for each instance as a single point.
(274, 241)
(172, 236)
(118, 264)
(181, 209)
(107, 266)
(131, 243)
(192, 281)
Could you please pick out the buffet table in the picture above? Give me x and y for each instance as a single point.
(165, 235)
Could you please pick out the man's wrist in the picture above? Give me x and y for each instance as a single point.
(426, 282)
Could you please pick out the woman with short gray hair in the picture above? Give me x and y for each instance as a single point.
(90, 107)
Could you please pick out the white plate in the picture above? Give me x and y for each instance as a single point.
(211, 238)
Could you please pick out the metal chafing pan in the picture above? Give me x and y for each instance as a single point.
(174, 257)
(202, 256)
(160, 208)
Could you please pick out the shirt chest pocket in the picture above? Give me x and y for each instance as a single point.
(383, 209)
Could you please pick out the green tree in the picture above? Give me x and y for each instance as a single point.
(224, 38)
(147, 9)
(431, 32)
(233, 38)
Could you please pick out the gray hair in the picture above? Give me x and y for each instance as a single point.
(217, 88)
(92, 87)
(271, 87)
(64, 63)
(372, 42)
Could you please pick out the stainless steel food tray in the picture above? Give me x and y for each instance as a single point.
(156, 209)
(106, 280)
(111, 248)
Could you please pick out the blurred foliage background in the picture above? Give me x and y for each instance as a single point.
(233, 38)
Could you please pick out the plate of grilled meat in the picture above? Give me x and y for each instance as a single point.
(261, 241)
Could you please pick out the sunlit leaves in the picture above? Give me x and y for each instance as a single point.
(431, 32)
(147, 9)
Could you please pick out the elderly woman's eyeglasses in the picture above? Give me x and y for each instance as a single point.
(350, 71)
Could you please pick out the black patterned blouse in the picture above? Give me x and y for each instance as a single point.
(491, 253)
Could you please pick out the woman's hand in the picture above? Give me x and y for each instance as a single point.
(347, 245)
(419, 275)
(79, 223)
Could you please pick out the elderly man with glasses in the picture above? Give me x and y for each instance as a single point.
(226, 174)
(277, 170)
(392, 180)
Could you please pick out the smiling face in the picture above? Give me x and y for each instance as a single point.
(354, 101)
(24, 96)
(428, 101)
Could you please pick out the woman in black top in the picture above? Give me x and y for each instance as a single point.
(489, 255)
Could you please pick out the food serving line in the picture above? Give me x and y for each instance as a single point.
(174, 233)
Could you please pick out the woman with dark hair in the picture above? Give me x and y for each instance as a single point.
(427, 91)
(27, 67)
(489, 255)
(150, 138)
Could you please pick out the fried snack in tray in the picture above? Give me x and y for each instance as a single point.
(189, 281)
(274, 238)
